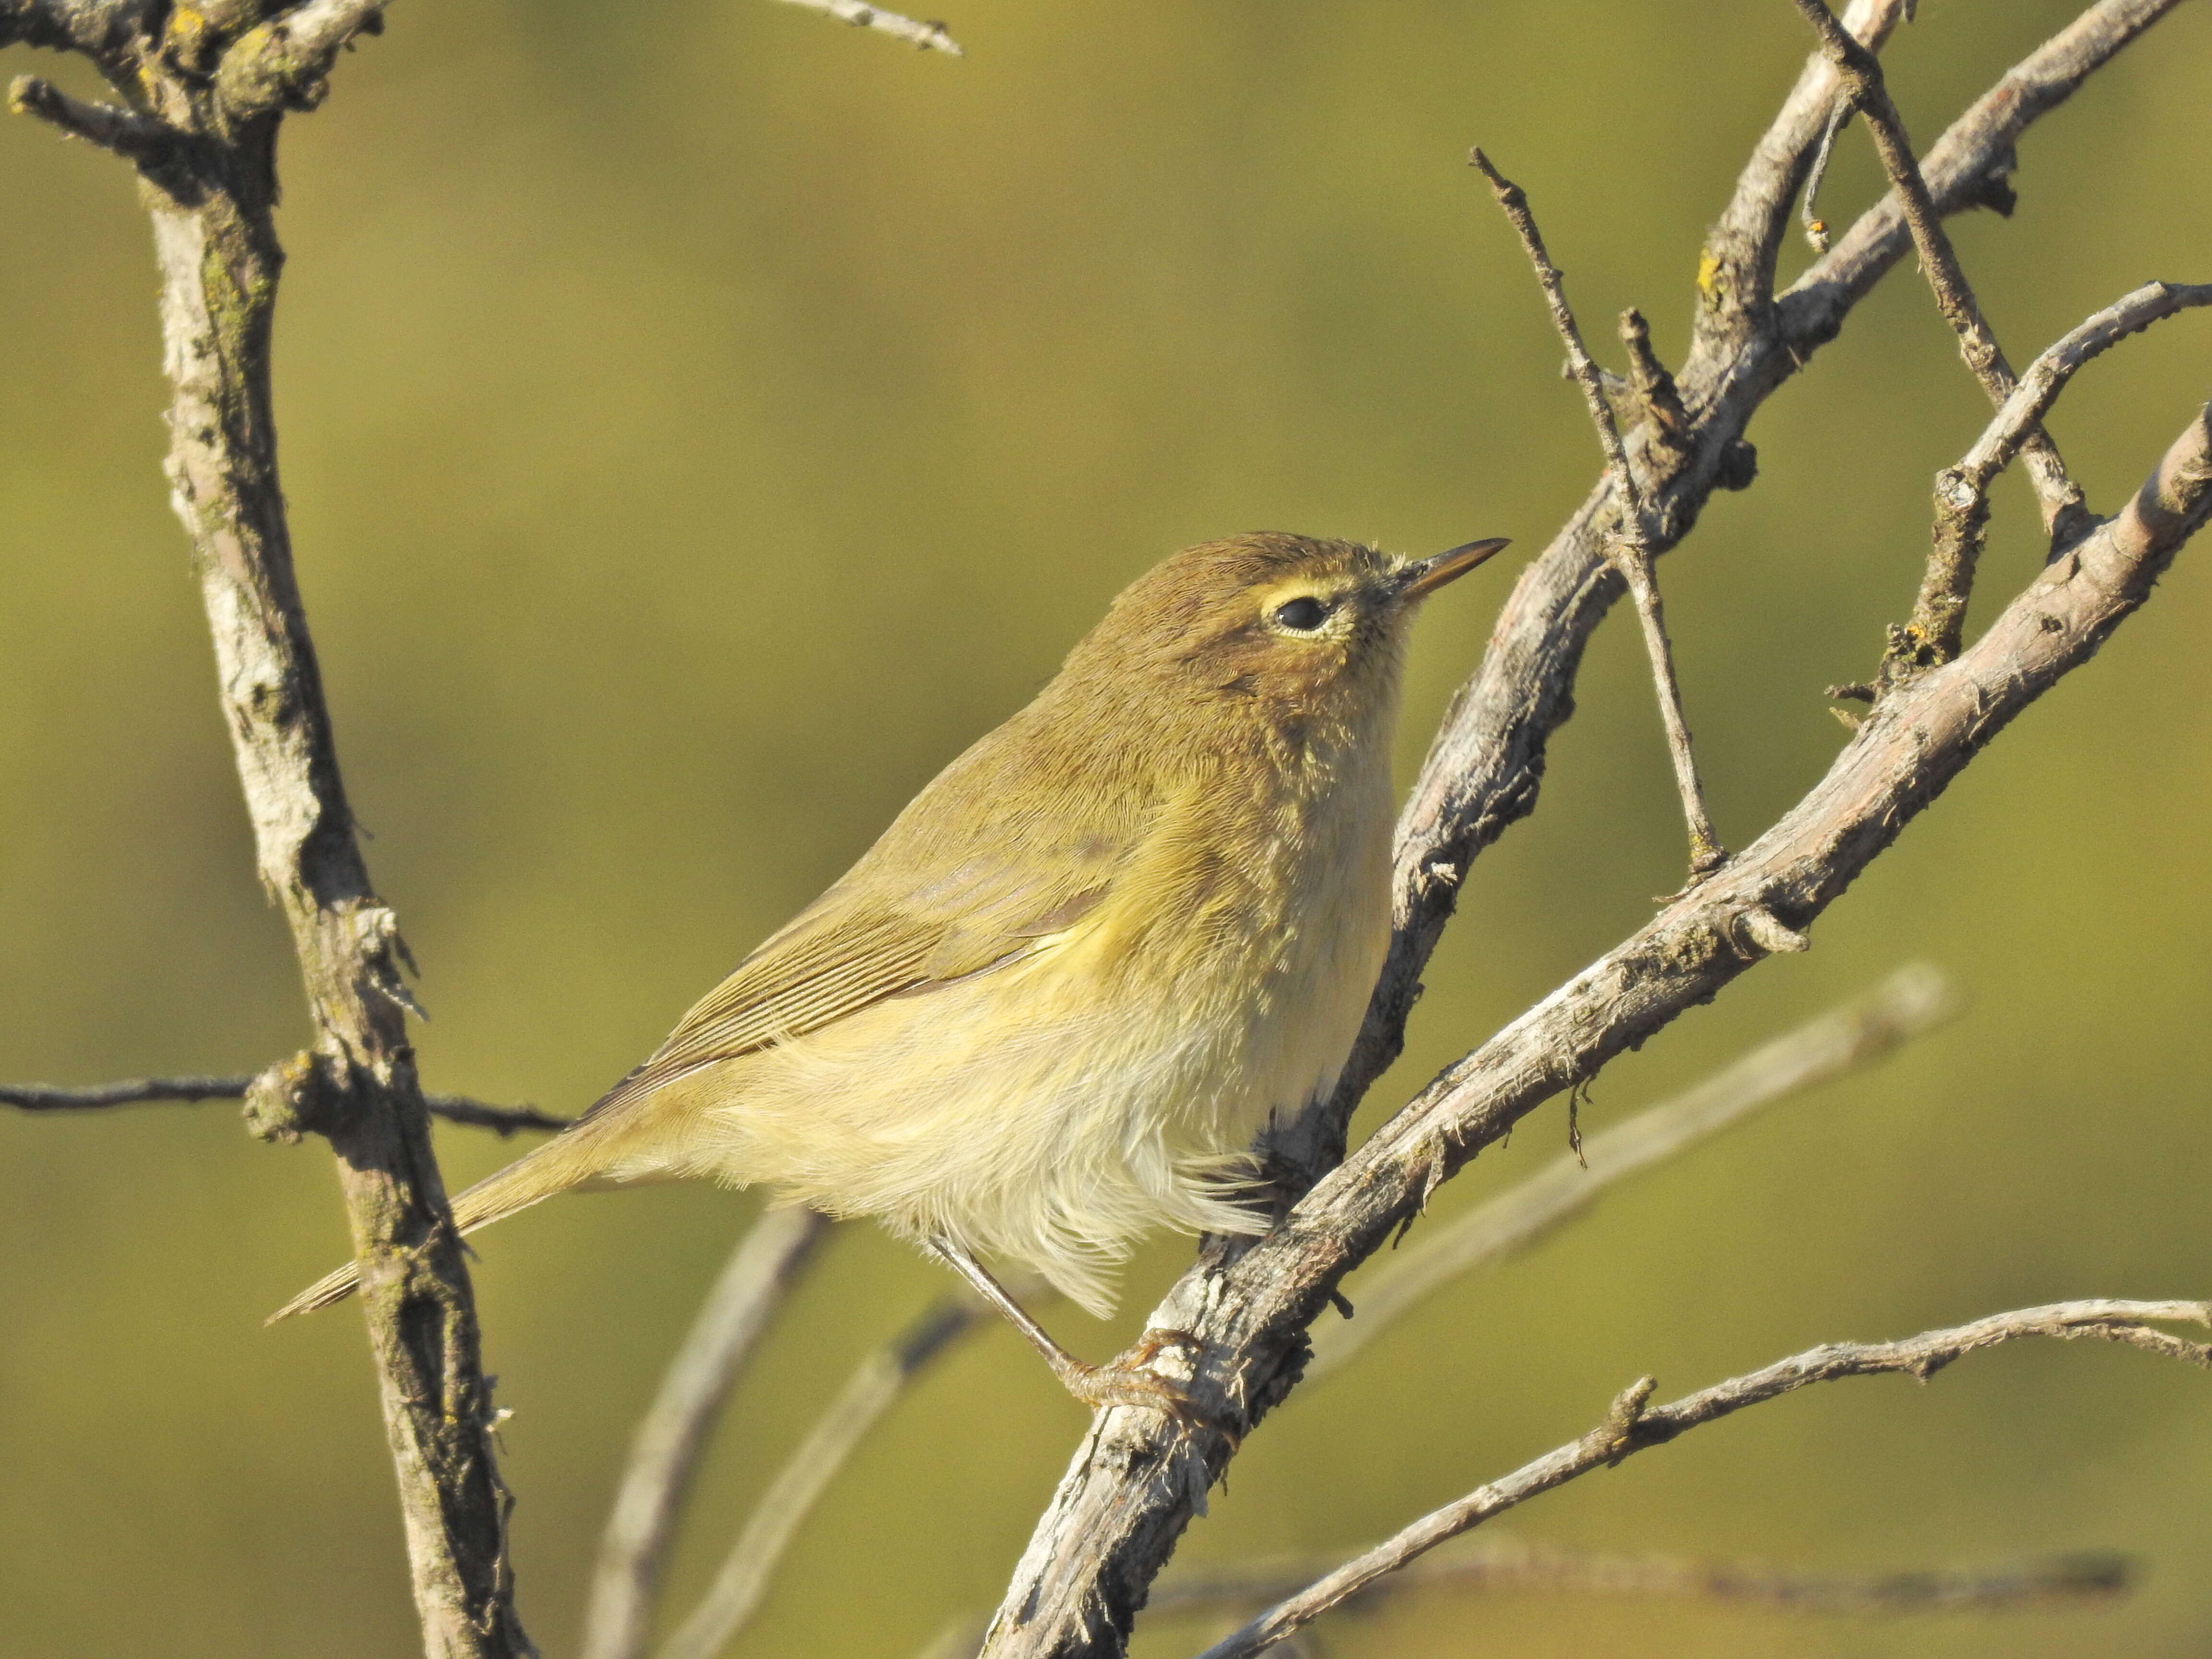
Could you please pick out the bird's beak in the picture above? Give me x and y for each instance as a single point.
(1425, 578)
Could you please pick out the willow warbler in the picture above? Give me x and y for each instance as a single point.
(1049, 1009)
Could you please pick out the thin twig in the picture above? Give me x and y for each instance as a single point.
(1962, 492)
(1911, 1002)
(1632, 1426)
(130, 1091)
(2063, 514)
(665, 1450)
(109, 126)
(1816, 228)
(1513, 1563)
(873, 1389)
(927, 37)
(1133, 1488)
(1137, 1481)
(1632, 546)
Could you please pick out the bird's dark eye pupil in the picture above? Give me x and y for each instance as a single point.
(1302, 615)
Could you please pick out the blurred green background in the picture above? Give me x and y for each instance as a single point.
(700, 421)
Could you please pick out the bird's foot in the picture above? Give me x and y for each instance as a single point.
(1128, 1379)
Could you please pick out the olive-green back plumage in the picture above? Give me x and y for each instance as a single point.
(1166, 875)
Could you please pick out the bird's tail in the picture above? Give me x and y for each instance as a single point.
(569, 1160)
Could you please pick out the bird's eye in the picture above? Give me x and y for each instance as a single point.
(1301, 616)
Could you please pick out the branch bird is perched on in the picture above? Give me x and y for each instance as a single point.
(1051, 1006)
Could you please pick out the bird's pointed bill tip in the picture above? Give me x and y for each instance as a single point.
(1427, 575)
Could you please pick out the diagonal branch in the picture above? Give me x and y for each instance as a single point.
(665, 1451)
(924, 37)
(1486, 762)
(1631, 1426)
(2063, 514)
(136, 1090)
(110, 127)
(1962, 492)
(875, 1385)
(1136, 1481)
(1735, 268)
(1632, 549)
(1513, 1563)
(1909, 1003)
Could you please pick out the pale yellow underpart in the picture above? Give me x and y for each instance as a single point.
(1052, 1111)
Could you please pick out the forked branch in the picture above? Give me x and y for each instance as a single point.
(2063, 514)
(1631, 548)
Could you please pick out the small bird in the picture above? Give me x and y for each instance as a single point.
(1048, 1010)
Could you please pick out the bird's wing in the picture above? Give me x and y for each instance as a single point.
(853, 948)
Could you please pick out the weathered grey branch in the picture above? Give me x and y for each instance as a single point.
(503, 1120)
(1514, 1564)
(285, 63)
(1962, 492)
(1135, 1482)
(1499, 1563)
(219, 78)
(2063, 514)
(109, 126)
(1132, 1487)
(1632, 549)
(1486, 763)
(665, 1450)
(1971, 166)
(1632, 1426)
(927, 37)
(95, 27)
(881, 1378)
(1911, 1001)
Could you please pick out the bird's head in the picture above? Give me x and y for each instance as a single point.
(1289, 628)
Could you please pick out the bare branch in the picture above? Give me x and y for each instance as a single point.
(94, 28)
(1962, 499)
(1485, 765)
(1632, 549)
(1911, 1002)
(665, 1451)
(2063, 514)
(927, 37)
(135, 1091)
(882, 1377)
(1735, 268)
(1632, 1427)
(1816, 228)
(108, 126)
(285, 63)
(1513, 1563)
(1970, 166)
(212, 203)
(1137, 1481)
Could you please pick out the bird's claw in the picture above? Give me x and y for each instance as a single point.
(1127, 1379)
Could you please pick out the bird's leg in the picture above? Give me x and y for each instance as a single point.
(1126, 1380)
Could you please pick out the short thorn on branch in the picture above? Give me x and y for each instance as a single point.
(1632, 549)
(110, 127)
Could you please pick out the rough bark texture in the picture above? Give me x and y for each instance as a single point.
(1134, 1481)
(206, 89)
